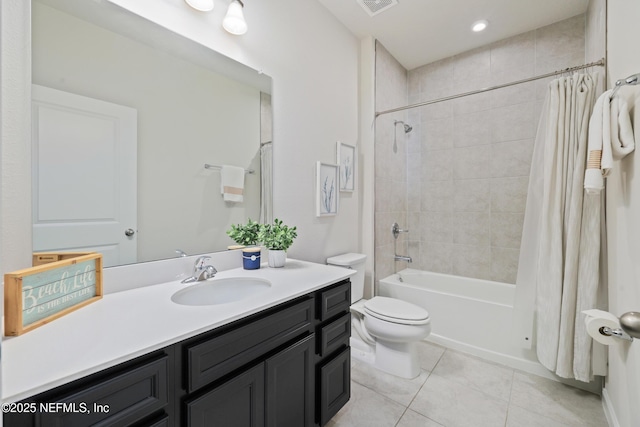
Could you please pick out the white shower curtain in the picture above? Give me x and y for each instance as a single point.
(561, 237)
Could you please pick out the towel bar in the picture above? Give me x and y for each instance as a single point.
(208, 166)
(632, 80)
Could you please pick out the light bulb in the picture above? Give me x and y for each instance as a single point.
(234, 20)
(201, 5)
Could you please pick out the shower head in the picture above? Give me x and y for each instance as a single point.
(407, 128)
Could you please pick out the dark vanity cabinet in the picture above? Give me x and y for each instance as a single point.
(287, 366)
(136, 393)
(333, 361)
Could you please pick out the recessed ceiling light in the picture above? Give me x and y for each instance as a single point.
(479, 25)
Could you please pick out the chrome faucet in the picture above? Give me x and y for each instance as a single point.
(402, 258)
(201, 271)
(396, 230)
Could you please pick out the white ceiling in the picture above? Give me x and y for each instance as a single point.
(417, 32)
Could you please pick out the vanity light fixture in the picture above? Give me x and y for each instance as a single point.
(234, 21)
(201, 5)
(479, 25)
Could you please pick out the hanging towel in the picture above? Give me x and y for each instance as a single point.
(610, 138)
(232, 183)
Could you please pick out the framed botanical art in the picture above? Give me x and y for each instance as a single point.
(346, 159)
(327, 181)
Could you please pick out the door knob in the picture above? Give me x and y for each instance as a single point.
(129, 232)
(630, 323)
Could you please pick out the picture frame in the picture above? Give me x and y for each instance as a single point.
(346, 157)
(327, 189)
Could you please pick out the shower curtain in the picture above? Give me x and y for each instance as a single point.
(561, 237)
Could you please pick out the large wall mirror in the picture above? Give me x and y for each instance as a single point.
(125, 116)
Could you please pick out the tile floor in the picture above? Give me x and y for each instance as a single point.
(458, 390)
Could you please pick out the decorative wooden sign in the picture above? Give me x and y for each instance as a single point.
(54, 287)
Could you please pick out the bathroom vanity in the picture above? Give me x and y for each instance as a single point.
(284, 361)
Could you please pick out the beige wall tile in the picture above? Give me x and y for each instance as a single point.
(513, 122)
(472, 162)
(436, 227)
(472, 129)
(437, 196)
(504, 264)
(437, 134)
(472, 261)
(472, 228)
(509, 194)
(472, 195)
(511, 158)
(438, 165)
(506, 229)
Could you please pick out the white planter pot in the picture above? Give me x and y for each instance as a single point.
(277, 258)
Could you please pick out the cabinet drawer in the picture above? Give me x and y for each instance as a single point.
(218, 356)
(335, 334)
(334, 301)
(335, 385)
(117, 401)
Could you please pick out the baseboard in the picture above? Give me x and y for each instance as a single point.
(609, 412)
(521, 364)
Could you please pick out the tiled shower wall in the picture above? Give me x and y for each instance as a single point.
(468, 159)
(390, 164)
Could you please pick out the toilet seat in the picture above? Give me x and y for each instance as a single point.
(396, 311)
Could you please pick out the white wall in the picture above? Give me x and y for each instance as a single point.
(622, 388)
(313, 61)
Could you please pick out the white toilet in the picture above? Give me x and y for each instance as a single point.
(388, 328)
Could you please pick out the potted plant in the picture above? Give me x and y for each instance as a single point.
(247, 235)
(277, 237)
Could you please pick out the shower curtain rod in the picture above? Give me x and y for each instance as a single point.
(600, 63)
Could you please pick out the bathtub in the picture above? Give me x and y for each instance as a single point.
(469, 315)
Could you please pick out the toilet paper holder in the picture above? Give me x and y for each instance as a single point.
(629, 327)
(616, 333)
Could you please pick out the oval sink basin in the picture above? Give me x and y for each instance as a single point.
(221, 291)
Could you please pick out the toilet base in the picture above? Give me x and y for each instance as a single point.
(362, 351)
(399, 359)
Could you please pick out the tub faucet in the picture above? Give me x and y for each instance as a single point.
(402, 258)
(201, 271)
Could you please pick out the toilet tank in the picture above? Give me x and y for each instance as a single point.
(355, 262)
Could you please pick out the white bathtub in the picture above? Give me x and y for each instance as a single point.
(470, 315)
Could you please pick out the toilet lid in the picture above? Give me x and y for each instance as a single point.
(395, 310)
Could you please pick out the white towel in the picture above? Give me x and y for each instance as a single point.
(232, 183)
(622, 138)
(610, 138)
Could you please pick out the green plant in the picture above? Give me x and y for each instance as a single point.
(277, 236)
(245, 234)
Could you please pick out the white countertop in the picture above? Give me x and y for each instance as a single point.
(128, 324)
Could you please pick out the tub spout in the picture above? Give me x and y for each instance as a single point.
(402, 258)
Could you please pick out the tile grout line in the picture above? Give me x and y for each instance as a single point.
(506, 419)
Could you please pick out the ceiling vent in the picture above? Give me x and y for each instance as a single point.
(374, 7)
